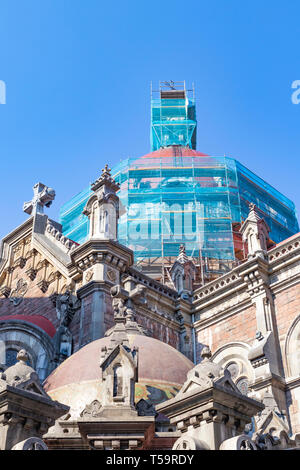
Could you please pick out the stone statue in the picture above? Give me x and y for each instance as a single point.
(118, 302)
(65, 347)
(65, 309)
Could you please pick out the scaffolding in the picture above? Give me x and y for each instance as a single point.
(173, 115)
(177, 195)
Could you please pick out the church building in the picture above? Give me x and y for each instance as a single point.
(162, 311)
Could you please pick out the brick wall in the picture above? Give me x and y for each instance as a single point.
(238, 327)
(35, 302)
(287, 306)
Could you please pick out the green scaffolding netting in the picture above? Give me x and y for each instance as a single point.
(173, 122)
(190, 199)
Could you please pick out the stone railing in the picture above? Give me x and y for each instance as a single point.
(284, 248)
(63, 242)
(222, 283)
(155, 285)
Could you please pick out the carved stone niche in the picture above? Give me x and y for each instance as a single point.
(20, 262)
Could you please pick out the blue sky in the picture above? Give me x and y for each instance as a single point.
(78, 76)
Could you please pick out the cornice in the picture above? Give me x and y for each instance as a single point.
(292, 382)
(102, 251)
(22, 230)
(94, 286)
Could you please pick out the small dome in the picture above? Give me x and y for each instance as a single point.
(162, 370)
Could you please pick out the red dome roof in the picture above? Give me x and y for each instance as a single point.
(174, 151)
(157, 361)
(77, 381)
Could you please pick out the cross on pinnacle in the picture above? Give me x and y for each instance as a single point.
(105, 178)
(182, 249)
(42, 196)
(106, 169)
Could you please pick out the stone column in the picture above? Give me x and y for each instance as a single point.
(265, 354)
(101, 259)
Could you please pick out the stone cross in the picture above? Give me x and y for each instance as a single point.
(42, 196)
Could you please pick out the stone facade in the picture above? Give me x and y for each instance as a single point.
(57, 297)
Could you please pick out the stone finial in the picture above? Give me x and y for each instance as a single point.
(106, 172)
(102, 208)
(182, 257)
(253, 214)
(259, 336)
(255, 232)
(206, 353)
(21, 374)
(183, 273)
(42, 196)
(107, 179)
(25, 408)
(22, 356)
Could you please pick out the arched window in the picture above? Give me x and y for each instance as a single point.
(234, 358)
(243, 385)
(292, 348)
(10, 357)
(16, 335)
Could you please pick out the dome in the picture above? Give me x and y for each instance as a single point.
(77, 381)
(171, 152)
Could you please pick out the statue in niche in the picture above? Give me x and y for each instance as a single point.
(65, 309)
(118, 303)
(93, 218)
(118, 381)
(65, 348)
(103, 221)
(62, 342)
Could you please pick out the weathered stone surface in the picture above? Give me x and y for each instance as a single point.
(26, 411)
(260, 298)
(209, 409)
